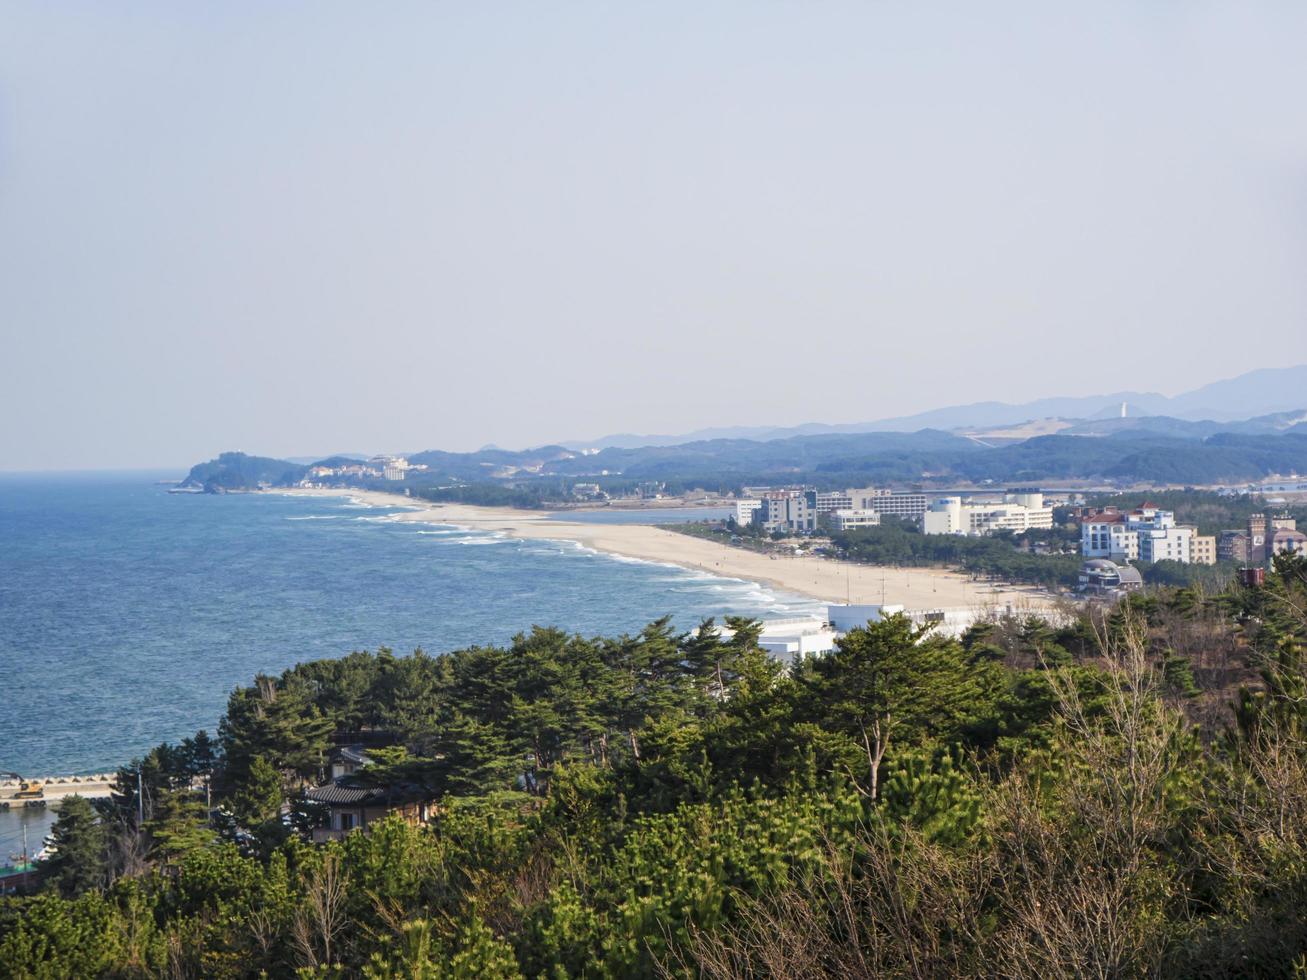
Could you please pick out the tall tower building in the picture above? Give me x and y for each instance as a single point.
(1257, 539)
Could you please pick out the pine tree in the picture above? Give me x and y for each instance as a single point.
(890, 680)
(277, 722)
(79, 862)
(179, 826)
(258, 798)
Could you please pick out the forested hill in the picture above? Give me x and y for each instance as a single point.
(1127, 456)
(1120, 794)
(237, 471)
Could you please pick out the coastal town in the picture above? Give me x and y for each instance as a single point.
(656, 491)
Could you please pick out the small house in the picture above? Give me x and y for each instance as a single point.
(353, 806)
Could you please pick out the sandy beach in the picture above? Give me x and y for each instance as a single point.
(818, 578)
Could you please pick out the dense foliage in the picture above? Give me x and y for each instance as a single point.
(1121, 794)
(896, 543)
(527, 497)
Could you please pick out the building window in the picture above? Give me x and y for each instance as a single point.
(347, 821)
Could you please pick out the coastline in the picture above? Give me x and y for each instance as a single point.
(824, 579)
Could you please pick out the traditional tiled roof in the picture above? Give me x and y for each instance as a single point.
(343, 792)
(335, 793)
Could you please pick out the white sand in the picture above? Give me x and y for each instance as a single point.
(819, 578)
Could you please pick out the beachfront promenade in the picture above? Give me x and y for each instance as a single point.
(55, 788)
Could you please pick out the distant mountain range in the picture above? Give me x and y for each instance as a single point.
(1258, 393)
(1243, 429)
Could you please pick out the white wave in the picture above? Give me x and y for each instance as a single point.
(316, 517)
(708, 591)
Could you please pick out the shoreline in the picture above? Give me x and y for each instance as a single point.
(824, 579)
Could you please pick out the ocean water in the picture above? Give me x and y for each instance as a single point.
(127, 614)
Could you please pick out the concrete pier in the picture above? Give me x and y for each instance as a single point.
(55, 788)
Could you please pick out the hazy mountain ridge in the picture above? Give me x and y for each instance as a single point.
(1249, 396)
(1184, 453)
(1205, 436)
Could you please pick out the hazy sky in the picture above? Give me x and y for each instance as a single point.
(295, 228)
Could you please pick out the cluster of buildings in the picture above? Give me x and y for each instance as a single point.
(1146, 533)
(1263, 539)
(801, 511)
(1111, 539)
(376, 468)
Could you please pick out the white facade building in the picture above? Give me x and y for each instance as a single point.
(1020, 510)
(390, 467)
(829, 501)
(1107, 536)
(1144, 534)
(899, 503)
(946, 622)
(744, 511)
(847, 520)
(793, 639)
(786, 510)
(1167, 544)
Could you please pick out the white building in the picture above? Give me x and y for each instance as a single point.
(1019, 510)
(899, 503)
(847, 520)
(744, 511)
(793, 639)
(390, 467)
(1108, 536)
(829, 501)
(1145, 534)
(786, 510)
(1167, 544)
(947, 622)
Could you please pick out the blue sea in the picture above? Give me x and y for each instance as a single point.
(128, 614)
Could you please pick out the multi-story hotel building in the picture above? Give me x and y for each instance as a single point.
(1019, 510)
(1145, 533)
(847, 520)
